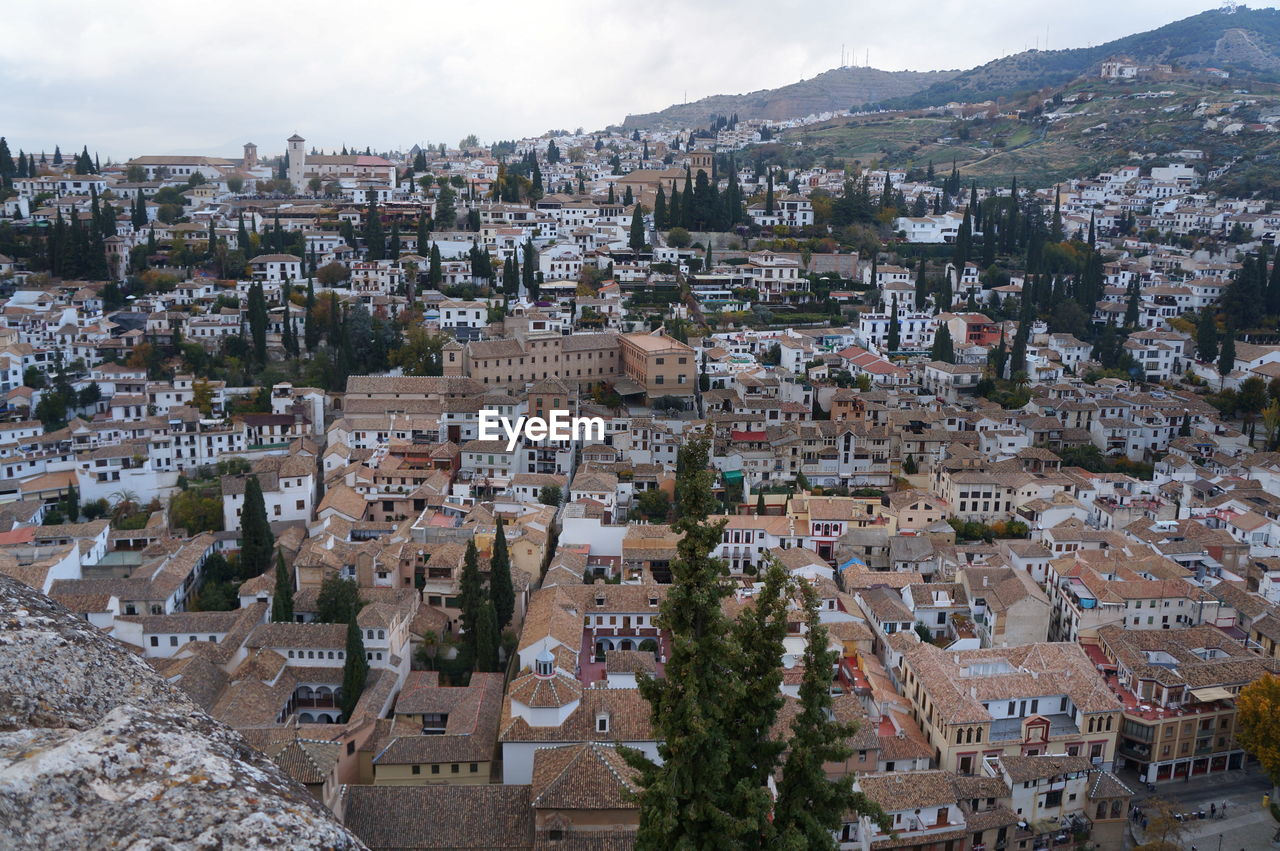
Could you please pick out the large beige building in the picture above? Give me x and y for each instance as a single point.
(583, 359)
(1178, 688)
(662, 365)
(652, 363)
(976, 705)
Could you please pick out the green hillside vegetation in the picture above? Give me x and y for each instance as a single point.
(1119, 121)
(1247, 40)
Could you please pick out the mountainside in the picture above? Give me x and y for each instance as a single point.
(98, 751)
(837, 89)
(1243, 40)
(1097, 125)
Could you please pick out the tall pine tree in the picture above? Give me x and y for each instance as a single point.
(501, 590)
(256, 541)
(355, 670)
(810, 806)
(282, 598)
(471, 598)
(688, 800)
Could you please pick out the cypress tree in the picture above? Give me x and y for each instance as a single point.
(395, 240)
(686, 201)
(894, 343)
(810, 807)
(424, 232)
(311, 328)
(997, 358)
(509, 280)
(610, 199)
(501, 591)
(922, 284)
(1056, 233)
(487, 639)
(1018, 356)
(257, 309)
(374, 244)
(1093, 235)
(627, 197)
(768, 195)
(964, 239)
(471, 598)
(355, 670)
(435, 275)
(673, 208)
(528, 270)
(1132, 308)
(287, 337)
(637, 240)
(57, 155)
(689, 800)
(256, 540)
(1227, 355)
(759, 633)
(1207, 336)
(660, 209)
(282, 599)
(943, 349)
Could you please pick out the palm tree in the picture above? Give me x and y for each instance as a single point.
(123, 503)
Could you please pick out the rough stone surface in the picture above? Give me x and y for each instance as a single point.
(98, 751)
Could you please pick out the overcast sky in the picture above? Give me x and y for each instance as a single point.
(151, 77)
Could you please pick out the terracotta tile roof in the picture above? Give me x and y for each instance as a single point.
(544, 692)
(308, 761)
(629, 662)
(1023, 768)
(629, 720)
(958, 682)
(440, 817)
(292, 635)
(589, 776)
(908, 790)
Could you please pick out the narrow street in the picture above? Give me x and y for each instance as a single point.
(1247, 825)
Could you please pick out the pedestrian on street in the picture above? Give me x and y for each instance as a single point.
(1213, 811)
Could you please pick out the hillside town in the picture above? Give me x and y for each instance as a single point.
(1000, 465)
